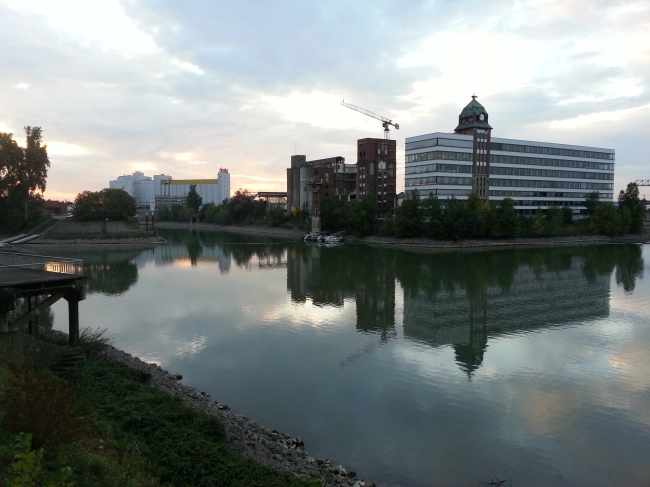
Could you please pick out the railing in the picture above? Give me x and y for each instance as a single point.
(27, 268)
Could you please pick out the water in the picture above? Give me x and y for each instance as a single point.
(412, 368)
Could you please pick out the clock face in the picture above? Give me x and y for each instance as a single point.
(481, 117)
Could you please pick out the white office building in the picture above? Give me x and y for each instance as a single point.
(161, 187)
(533, 174)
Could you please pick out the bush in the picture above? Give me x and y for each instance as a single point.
(607, 219)
(39, 404)
(107, 204)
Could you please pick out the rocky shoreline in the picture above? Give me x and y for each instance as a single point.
(269, 447)
(93, 242)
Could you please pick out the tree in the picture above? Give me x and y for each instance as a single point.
(506, 216)
(409, 216)
(592, 202)
(607, 219)
(629, 200)
(193, 199)
(23, 177)
(107, 204)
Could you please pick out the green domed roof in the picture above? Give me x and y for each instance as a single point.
(472, 108)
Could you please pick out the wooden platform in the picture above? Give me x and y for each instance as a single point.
(31, 277)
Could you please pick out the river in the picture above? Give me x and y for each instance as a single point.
(410, 367)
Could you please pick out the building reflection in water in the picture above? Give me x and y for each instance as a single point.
(456, 299)
(463, 299)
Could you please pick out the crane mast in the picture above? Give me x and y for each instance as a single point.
(386, 122)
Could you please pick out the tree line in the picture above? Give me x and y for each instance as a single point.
(23, 177)
(474, 218)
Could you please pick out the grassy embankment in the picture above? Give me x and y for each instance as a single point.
(103, 420)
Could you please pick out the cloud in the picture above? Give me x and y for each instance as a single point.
(242, 85)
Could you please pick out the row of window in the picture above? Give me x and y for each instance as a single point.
(498, 146)
(421, 144)
(517, 183)
(438, 168)
(548, 173)
(509, 171)
(553, 151)
(540, 161)
(548, 194)
(439, 180)
(527, 183)
(501, 159)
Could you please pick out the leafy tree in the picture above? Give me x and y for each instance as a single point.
(567, 215)
(194, 201)
(629, 200)
(409, 216)
(88, 207)
(107, 204)
(592, 202)
(506, 218)
(477, 216)
(23, 177)
(358, 215)
(607, 219)
(433, 217)
(454, 219)
(553, 221)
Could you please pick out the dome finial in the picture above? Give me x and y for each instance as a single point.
(474, 97)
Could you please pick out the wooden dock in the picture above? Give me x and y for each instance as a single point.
(41, 281)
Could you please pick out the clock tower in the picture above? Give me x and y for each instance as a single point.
(473, 120)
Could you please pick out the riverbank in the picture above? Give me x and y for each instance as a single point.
(94, 242)
(423, 243)
(245, 436)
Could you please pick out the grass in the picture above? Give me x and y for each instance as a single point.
(137, 436)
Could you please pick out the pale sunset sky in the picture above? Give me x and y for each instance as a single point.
(184, 88)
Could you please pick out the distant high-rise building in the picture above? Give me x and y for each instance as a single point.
(164, 189)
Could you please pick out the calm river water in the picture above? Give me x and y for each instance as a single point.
(412, 368)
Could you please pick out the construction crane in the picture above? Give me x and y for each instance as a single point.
(642, 182)
(386, 122)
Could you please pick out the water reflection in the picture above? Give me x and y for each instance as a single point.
(456, 299)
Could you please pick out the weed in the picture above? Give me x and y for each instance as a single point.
(38, 403)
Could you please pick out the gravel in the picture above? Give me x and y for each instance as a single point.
(252, 440)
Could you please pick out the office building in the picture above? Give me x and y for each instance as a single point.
(533, 174)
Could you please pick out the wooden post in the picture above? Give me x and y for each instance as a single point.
(73, 318)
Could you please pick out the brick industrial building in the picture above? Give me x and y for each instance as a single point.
(310, 182)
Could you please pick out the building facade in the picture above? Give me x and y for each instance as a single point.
(376, 172)
(533, 174)
(162, 189)
(310, 182)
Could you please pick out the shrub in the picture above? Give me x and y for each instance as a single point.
(38, 403)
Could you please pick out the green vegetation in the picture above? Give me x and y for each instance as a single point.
(102, 424)
(194, 201)
(107, 204)
(241, 209)
(23, 174)
(452, 219)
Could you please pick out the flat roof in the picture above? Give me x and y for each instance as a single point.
(451, 135)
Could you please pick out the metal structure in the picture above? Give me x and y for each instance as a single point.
(29, 277)
(386, 122)
(642, 182)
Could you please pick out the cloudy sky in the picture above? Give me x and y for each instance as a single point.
(184, 88)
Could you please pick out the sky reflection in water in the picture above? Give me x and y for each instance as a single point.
(412, 368)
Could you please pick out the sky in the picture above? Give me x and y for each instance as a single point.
(186, 88)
